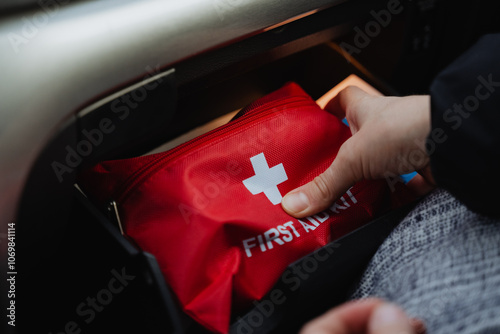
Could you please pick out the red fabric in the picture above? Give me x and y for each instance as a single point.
(191, 209)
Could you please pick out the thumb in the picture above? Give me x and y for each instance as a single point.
(389, 319)
(321, 192)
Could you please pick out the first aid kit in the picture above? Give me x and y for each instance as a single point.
(209, 209)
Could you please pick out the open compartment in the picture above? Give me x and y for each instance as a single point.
(103, 281)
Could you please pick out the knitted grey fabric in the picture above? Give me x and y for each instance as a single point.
(441, 264)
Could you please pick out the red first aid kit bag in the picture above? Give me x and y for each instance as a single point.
(209, 210)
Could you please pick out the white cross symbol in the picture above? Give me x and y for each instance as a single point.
(266, 179)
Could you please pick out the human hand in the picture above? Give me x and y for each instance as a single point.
(370, 316)
(388, 139)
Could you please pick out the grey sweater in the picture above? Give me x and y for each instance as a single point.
(441, 264)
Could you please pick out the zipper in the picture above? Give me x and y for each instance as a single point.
(114, 215)
(163, 158)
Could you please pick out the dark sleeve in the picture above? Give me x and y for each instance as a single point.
(464, 143)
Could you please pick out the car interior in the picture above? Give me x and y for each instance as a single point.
(157, 70)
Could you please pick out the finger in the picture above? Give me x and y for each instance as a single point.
(339, 103)
(426, 172)
(326, 188)
(389, 319)
(420, 186)
(351, 317)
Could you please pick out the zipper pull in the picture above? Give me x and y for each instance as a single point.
(115, 216)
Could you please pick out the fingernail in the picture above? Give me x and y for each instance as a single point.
(418, 325)
(296, 202)
(388, 316)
